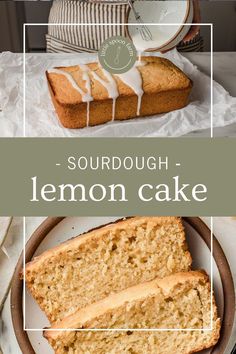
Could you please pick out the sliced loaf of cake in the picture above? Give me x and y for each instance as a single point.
(179, 301)
(89, 267)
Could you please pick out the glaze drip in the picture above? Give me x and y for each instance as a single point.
(85, 69)
(86, 97)
(132, 78)
(110, 86)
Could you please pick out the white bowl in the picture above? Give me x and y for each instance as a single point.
(169, 22)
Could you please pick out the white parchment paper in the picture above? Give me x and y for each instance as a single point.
(11, 94)
(42, 121)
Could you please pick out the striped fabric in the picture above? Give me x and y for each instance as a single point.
(84, 38)
(195, 45)
(89, 38)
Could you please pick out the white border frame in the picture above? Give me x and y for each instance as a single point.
(119, 329)
(114, 24)
(24, 221)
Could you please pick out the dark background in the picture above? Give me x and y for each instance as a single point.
(14, 13)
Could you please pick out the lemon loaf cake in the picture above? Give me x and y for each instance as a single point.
(87, 95)
(89, 267)
(180, 301)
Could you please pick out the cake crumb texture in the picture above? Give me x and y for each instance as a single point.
(107, 260)
(181, 301)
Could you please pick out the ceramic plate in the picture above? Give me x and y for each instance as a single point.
(56, 230)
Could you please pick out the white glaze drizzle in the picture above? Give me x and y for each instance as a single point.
(85, 69)
(110, 86)
(139, 52)
(133, 79)
(86, 96)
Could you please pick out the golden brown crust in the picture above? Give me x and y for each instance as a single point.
(165, 86)
(94, 235)
(203, 346)
(85, 318)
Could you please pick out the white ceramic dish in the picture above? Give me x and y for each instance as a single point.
(161, 15)
(72, 226)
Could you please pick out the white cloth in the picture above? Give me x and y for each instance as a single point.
(11, 94)
(41, 119)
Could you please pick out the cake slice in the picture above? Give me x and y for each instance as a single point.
(179, 301)
(87, 268)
